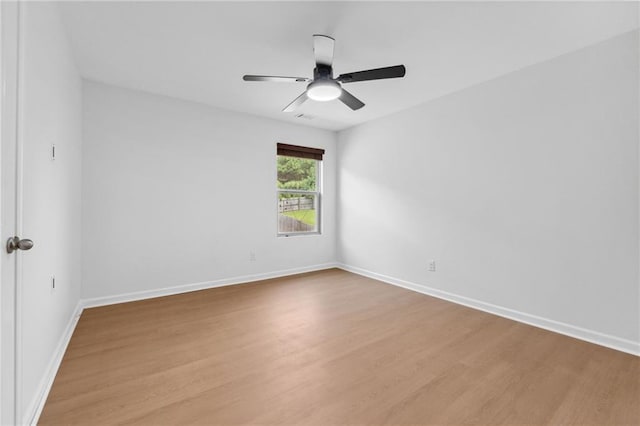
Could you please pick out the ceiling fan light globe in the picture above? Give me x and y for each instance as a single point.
(323, 91)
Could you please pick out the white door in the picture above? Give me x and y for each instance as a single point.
(8, 212)
(40, 199)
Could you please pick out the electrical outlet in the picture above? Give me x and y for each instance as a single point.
(432, 265)
(252, 256)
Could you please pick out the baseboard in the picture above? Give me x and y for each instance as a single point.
(591, 336)
(32, 414)
(186, 288)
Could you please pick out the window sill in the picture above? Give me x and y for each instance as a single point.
(299, 234)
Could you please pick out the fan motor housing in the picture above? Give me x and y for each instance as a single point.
(323, 72)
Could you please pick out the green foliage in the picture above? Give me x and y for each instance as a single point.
(296, 173)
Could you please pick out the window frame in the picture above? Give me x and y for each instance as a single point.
(317, 196)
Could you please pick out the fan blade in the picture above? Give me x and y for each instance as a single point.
(323, 49)
(296, 102)
(351, 101)
(275, 78)
(376, 74)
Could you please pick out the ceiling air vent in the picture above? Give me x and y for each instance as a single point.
(305, 116)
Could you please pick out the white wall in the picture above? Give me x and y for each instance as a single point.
(524, 190)
(176, 193)
(50, 113)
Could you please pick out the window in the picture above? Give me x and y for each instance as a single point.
(299, 186)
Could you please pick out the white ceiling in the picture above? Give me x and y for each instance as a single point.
(200, 50)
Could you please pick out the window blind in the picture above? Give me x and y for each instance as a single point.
(300, 151)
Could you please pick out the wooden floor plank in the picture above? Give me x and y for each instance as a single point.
(330, 347)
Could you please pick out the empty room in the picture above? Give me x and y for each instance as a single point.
(320, 213)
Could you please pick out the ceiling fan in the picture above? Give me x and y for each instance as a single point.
(323, 87)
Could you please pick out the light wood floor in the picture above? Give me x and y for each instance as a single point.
(328, 348)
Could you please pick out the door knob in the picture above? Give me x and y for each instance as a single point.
(16, 243)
